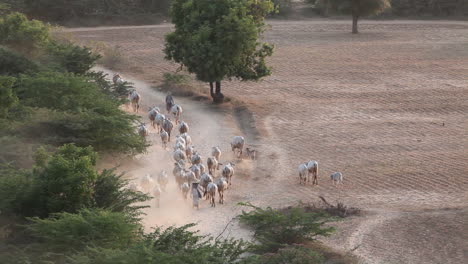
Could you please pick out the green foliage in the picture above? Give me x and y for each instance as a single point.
(360, 7)
(172, 245)
(218, 39)
(70, 232)
(175, 79)
(284, 7)
(7, 98)
(21, 34)
(59, 91)
(91, 117)
(16, 190)
(13, 63)
(73, 58)
(288, 255)
(275, 229)
(110, 193)
(67, 180)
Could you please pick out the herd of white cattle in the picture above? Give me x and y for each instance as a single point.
(190, 174)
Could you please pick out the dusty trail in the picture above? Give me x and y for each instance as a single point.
(207, 128)
(387, 108)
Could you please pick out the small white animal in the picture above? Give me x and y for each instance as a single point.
(163, 179)
(303, 172)
(237, 143)
(157, 195)
(185, 190)
(211, 190)
(228, 172)
(337, 178)
(216, 152)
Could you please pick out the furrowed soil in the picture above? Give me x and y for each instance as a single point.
(387, 108)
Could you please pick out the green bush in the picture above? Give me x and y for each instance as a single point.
(17, 188)
(169, 246)
(110, 193)
(59, 91)
(66, 182)
(73, 58)
(70, 232)
(289, 255)
(7, 98)
(12, 63)
(275, 229)
(21, 34)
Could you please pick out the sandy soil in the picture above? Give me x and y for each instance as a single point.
(386, 107)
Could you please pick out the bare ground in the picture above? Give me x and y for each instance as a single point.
(386, 107)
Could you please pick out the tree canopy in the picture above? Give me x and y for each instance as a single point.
(357, 8)
(218, 39)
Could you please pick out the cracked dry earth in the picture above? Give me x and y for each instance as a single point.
(388, 108)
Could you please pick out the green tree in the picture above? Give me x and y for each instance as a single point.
(19, 33)
(7, 97)
(65, 232)
(73, 58)
(218, 39)
(67, 181)
(360, 8)
(275, 229)
(13, 63)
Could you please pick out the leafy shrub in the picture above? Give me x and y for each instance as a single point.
(283, 7)
(289, 255)
(12, 63)
(172, 245)
(73, 58)
(106, 130)
(7, 98)
(58, 91)
(16, 190)
(66, 182)
(275, 229)
(66, 231)
(22, 34)
(110, 193)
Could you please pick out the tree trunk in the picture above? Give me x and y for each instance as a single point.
(355, 26)
(211, 90)
(218, 97)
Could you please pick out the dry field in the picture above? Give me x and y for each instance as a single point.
(388, 108)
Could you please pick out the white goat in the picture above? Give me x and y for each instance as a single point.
(205, 179)
(164, 138)
(167, 125)
(222, 185)
(117, 79)
(183, 127)
(196, 170)
(157, 195)
(135, 100)
(196, 158)
(163, 180)
(159, 119)
(185, 187)
(312, 166)
(179, 155)
(211, 190)
(187, 138)
(228, 172)
(178, 173)
(176, 112)
(213, 165)
(216, 152)
(142, 130)
(237, 143)
(337, 178)
(189, 152)
(153, 111)
(303, 172)
(146, 183)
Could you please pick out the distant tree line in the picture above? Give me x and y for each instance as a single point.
(60, 11)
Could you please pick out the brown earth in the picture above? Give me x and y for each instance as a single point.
(386, 107)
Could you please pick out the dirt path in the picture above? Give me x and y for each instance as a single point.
(387, 108)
